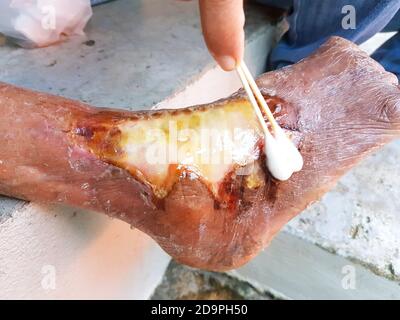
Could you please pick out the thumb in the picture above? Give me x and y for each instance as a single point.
(222, 23)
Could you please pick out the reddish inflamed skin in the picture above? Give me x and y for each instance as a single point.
(337, 106)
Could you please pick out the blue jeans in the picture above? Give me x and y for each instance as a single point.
(313, 21)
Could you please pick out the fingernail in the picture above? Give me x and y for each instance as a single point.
(226, 62)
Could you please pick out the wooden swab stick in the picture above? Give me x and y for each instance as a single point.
(258, 95)
(252, 99)
(282, 157)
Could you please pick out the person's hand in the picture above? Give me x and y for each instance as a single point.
(222, 22)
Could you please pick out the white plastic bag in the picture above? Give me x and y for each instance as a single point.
(39, 23)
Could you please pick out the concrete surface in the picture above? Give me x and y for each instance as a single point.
(141, 51)
(292, 268)
(360, 218)
(184, 283)
(62, 253)
(136, 54)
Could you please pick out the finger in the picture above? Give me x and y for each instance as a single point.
(222, 23)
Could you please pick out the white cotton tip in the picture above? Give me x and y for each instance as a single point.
(283, 158)
(278, 159)
(296, 159)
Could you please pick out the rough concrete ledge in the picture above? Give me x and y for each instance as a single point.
(360, 217)
(184, 283)
(297, 269)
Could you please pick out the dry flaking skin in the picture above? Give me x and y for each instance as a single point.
(337, 106)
